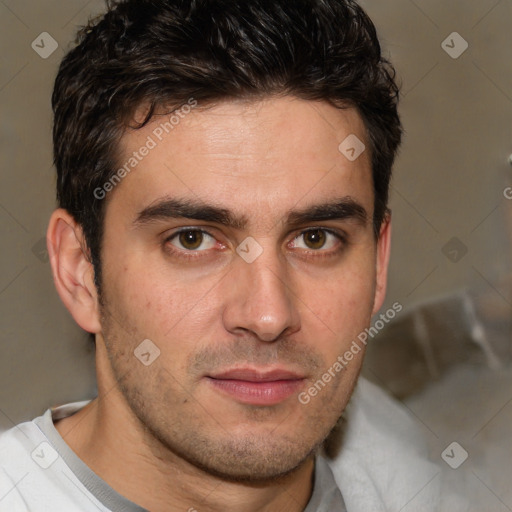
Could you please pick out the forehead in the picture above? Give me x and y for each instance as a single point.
(246, 155)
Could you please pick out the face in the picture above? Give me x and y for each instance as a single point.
(241, 249)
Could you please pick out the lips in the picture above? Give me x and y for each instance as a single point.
(253, 375)
(257, 387)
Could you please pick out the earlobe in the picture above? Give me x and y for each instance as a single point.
(383, 253)
(73, 273)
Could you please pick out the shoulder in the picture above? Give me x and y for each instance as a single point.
(34, 477)
(16, 445)
(382, 460)
(16, 464)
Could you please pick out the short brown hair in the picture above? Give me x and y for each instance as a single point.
(163, 52)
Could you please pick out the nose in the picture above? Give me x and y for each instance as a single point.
(261, 299)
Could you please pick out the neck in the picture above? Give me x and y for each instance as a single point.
(108, 437)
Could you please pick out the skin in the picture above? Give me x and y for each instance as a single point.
(162, 435)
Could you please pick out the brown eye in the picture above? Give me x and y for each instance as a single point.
(315, 239)
(192, 240)
(319, 240)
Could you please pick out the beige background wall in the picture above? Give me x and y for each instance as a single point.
(449, 179)
(453, 168)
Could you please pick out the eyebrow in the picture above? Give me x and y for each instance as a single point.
(344, 208)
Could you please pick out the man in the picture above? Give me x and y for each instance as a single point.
(223, 232)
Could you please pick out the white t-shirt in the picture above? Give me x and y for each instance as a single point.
(381, 466)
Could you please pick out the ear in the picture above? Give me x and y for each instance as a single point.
(73, 273)
(383, 252)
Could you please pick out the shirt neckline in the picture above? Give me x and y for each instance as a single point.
(326, 496)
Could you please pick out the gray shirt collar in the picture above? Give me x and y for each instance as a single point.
(326, 495)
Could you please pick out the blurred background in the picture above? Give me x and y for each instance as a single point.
(446, 355)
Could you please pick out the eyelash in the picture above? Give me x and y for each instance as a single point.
(317, 254)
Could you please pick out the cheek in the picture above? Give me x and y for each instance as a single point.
(344, 300)
(160, 306)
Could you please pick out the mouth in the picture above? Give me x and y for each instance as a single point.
(257, 387)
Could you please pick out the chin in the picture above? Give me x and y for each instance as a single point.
(243, 457)
(255, 466)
